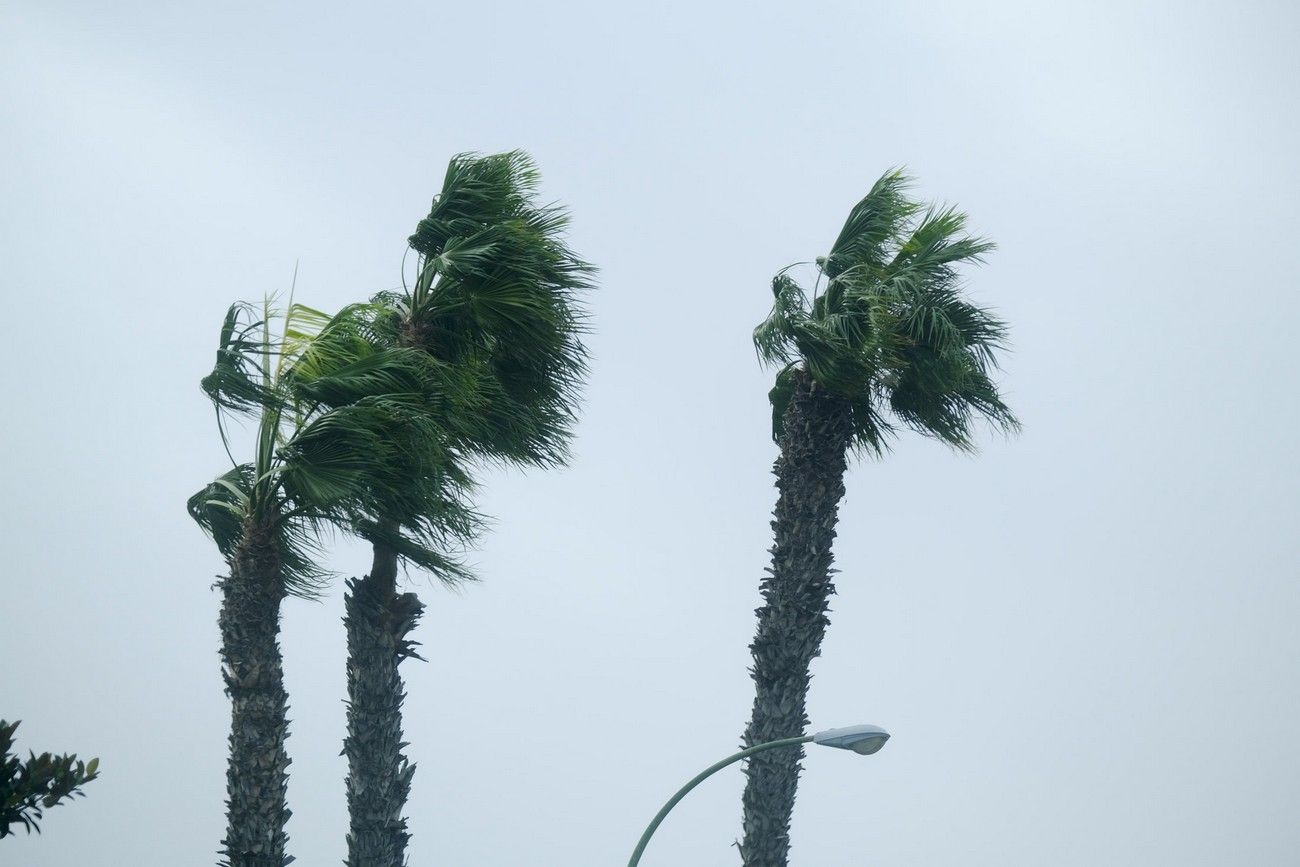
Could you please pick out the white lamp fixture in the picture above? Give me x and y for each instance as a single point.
(863, 740)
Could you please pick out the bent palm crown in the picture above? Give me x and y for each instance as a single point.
(344, 437)
(370, 416)
(889, 332)
(485, 346)
(497, 294)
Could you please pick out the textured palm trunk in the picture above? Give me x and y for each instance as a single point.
(378, 621)
(257, 773)
(792, 621)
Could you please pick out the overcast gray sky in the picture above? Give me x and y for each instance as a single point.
(1084, 639)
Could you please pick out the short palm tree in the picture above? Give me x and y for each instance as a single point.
(495, 303)
(887, 342)
(331, 451)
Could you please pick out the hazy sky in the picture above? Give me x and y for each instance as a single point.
(1084, 640)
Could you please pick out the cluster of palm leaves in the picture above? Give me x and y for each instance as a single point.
(890, 332)
(370, 422)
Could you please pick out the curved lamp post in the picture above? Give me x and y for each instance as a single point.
(863, 740)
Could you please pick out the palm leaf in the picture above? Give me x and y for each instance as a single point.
(221, 506)
(872, 225)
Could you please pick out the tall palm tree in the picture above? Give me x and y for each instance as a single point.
(494, 301)
(886, 342)
(332, 451)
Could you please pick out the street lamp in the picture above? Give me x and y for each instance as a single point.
(863, 740)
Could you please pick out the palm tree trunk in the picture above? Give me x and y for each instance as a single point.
(792, 621)
(257, 773)
(378, 621)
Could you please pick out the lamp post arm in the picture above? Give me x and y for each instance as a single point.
(704, 775)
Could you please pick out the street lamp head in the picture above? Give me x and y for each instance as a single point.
(863, 740)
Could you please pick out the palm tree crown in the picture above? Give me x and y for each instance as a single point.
(480, 359)
(889, 332)
(497, 292)
(344, 436)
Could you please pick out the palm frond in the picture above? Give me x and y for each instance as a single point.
(873, 432)
(298, 544)
(476, 190)
(302, 325)
(774, 336)
(221, 507)
(936, 244)
(873, 225)
(941, 393)
(334, 459)
(238, 381)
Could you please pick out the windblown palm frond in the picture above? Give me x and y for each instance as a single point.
(238, 381)
(221, 506)
(874, 224)
(250, 357)
(477, 191)
(890, 331)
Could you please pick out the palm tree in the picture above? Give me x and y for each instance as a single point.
(332, 451)
(494, 301)
(887, 342)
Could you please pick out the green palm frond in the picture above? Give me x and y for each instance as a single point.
(774, 337)
(298, 544)
(891, 332)
(302, 326)
(476, 190)
(250, 358)
(936, 244)
(401, 372)
(221, 507)
(238, 381)
(873, 225)
(331, 459)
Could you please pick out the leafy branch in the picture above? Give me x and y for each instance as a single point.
(29, 788)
